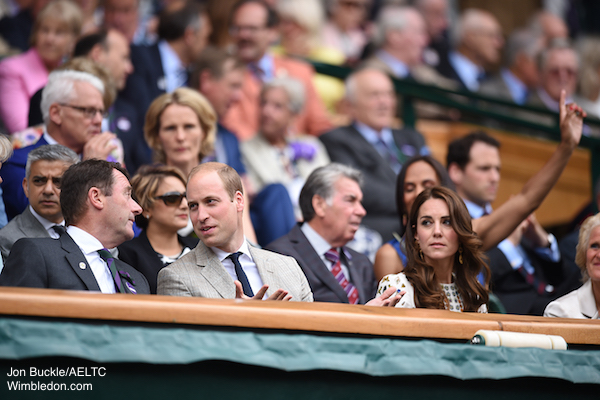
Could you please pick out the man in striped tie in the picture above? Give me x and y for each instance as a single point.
(331, 206)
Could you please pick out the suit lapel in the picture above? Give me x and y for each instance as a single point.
(214, 272)
(266, 269)
(371, 158)
(315, 263)
(356, 280)
(78, 262)
(29, 225)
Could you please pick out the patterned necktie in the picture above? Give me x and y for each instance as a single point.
(336, 269)
(235, 258)
(392, 156)
(59, 229)
(540, 286)
(108, 258)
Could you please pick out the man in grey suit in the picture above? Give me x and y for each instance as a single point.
(99, 212)
(370, 145)
(223, 264)
(43, 217)
(331, 206)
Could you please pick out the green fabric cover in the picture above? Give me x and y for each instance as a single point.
(113, 343)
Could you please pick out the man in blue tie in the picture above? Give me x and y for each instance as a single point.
(99, 213)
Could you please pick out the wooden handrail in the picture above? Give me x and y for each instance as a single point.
(311, 317)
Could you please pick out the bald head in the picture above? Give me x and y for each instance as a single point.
(479, 37)
(370, 94)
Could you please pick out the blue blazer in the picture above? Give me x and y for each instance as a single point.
(233, 156)
(12, 173)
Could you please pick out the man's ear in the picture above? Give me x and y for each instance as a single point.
(96, 53)
(96, 198)
(55, 113)
(25, 188)
(205, 79)
(239, 201)
(455, 173)
(319, 204)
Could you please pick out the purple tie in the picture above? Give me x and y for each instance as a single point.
(106, 256)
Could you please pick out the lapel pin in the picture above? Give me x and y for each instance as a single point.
(82, 265)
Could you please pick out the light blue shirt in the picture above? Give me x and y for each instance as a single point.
(399, 69)
(175, 71)
(267, 67)
(468, 71)
(518, 90)
(516, 255)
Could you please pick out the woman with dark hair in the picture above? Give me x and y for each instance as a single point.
(444, 257)
(160, 191)
(496, 226)
(417, 174)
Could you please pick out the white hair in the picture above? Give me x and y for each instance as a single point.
(59, 88)
(391, 18)
(292, 87)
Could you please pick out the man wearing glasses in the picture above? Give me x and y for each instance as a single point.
(72, 107)
(43, 218)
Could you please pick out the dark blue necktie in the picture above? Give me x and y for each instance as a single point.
(235, 258)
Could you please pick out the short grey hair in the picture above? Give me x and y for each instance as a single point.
(292, 87)
(391, 18)
(321, 182)
(6, 148)
(469, 20)
(350, 82)
(522, 41)
(59, 88)
(556, 44)
(50, 152)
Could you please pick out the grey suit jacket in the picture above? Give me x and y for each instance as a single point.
(60, 264)
(22, 226)
(200, 273)
(322, 282)
(347, 146)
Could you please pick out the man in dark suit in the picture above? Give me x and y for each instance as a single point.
(331, 206)
(183, 30)
(478, 47)
(72, 105)
(370, 145)
(99, 213)
(43, 218)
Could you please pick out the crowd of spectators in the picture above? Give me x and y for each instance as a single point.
(174, 91)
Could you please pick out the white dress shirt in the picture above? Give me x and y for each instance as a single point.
(89, 246)
(247, 263)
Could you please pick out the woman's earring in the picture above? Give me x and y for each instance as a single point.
(460, 251)
(147, 216)
(420, 253)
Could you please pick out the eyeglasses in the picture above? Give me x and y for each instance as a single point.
(89, 112)
(252, 30)
(42, 181)
(171, 198)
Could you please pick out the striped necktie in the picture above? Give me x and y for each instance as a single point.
(334, 256)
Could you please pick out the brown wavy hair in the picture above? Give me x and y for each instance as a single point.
(428, 290)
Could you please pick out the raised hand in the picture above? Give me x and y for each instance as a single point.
(99, 146)
(571, 121)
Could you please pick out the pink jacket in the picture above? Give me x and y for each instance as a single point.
(20, 77)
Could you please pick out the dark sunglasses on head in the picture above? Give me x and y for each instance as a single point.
(171, 198)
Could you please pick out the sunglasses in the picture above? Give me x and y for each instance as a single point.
(171, 198)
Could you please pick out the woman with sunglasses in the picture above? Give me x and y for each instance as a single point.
(160, 191)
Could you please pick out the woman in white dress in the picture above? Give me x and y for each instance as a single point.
(444, 257)
(584, 302)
